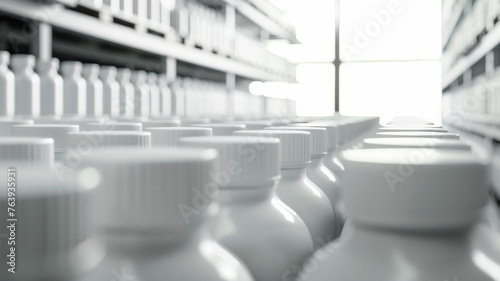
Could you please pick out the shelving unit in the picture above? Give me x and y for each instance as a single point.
(471, 56)
(91, 32)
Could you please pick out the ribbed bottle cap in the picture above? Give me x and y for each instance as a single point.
(53, 221)
(222, 129)
(27, 150)
(255, 125)
(161, 123)
(54, 131)
(332, 132)
(424, 143)
(318, 138)
(409, 189)
(114, 126)
(245, 162)
(417, 135)
(411, 129)
(6, 125)
(150, 191)
(85, 141)
(295, 146)
(81, 122)
(169, 136)
(19, 62)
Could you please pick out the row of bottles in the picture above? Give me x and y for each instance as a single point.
(73, 88)
(290, 199)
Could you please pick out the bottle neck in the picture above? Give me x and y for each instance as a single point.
(293, 174)
(316, 162)
(249, 194)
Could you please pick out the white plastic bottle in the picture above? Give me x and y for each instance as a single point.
(27, 86)
(111, 91)
(54, 131)
(170, 136)
(53, 224)
(147, 234)
(221, 129)
(90, 73)
(75, 89)
(28, 151)
(51, 88)
(7, 82)
(126, 92)
(155, 96)
(253, 222)
(141, 103)
(403, 220)
(166, 95)
(7, 124)
(317, 172)
(295, 189)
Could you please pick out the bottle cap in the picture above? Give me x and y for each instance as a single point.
(54, 131)
(244, 162)
(4, 57)
(53, 222)
(108, 72)
(169, 136)
(411, 129)
(222, 129)
(7, 124)
(27, 151)
(161, 123)
(318, 138)
(114, 126)
(422, 143)
(150, 192)
(332, 132)
(90, 70)
(44, 66)
(411, 189)
(85, 141)
(255, 125)
(295, 146)
(71, 67)
(417, 135)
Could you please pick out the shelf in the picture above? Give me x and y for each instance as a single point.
(487, 131)
(263, 14)
(86, 25)
(487, 43)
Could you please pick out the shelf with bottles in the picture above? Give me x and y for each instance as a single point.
(471, 37)
(92, 27)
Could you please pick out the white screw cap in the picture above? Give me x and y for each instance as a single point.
(170, 136)
(161, 123)
(424, 143)
(411, 129)
(54, 131)
(220, 129)
(295, 146)
(53, 221)
(410, 189)
(7, 124)
(332, 132)
(187, 121)
(318, 138)
(114, 126)
(255, 125)
(146, 191)
(89, 139)
(245, 162)
(29, 151)
(417, 135)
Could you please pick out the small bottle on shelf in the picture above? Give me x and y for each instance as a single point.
(27, 86)
(7, 82)
(51, 88)
(75, 89)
